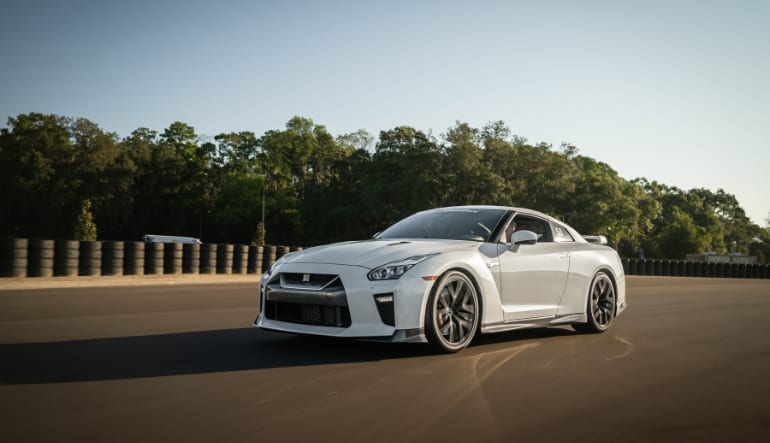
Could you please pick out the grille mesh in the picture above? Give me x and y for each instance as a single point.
(317, 315)
(304, 298)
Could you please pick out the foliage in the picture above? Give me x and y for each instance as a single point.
(60, 176)
(85, 228)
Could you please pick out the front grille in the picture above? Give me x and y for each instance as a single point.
(317, 315)
(310, 299)
(309, 281)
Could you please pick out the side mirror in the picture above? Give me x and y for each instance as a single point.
(598, 239)
(523, 238)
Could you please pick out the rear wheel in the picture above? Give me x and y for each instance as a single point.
(601, 305)
(452, 314)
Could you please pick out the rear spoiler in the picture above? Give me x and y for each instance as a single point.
(598, 239)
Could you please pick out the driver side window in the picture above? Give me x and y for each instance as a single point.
(534, 224)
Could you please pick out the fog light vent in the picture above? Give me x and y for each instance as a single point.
(384, 304)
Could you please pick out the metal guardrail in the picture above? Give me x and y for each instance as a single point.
(20, 257)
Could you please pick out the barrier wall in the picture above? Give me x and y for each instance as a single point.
(685, 268)
(42, 258)
(21, 257)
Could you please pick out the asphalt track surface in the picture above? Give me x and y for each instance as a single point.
(688, 361)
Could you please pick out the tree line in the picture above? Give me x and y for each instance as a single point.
(60, 174)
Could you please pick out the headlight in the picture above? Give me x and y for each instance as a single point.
(394, 270)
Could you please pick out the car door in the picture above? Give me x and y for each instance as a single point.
(533, 276)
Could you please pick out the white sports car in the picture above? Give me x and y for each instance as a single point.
(443, 275)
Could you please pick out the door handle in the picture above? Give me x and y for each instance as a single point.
(564, 255)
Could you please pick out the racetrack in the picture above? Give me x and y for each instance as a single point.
(688, 360)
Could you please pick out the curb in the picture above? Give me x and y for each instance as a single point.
(22, 283)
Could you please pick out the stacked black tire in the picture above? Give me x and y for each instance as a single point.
(208, 258)
(256, 259)
(172, 258)
(15, 254)
(90, 258)
(191, 263)
(40, 258)
(153, 258)
(225, 259)
(240, 259)
(134, 258)
(113, 255)
(269, 257)
(66, 258)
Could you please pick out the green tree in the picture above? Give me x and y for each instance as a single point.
(405, 175)
(85, 228)
(469, 178)
(36, 183)
(49, 164)
(681, 236)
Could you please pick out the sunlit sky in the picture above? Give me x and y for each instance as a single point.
(674, 91)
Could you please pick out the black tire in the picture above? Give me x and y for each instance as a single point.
(601, 306)
(453, 312)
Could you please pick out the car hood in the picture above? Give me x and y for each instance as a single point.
(372, 253)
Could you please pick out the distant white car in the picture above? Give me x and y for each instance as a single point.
(152, 238)
(442, 276)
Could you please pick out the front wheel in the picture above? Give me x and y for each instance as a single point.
(452, 314)
(601, 305)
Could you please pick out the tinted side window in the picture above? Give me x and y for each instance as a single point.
(536, 225)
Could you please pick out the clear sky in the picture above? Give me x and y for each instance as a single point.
(674, 91)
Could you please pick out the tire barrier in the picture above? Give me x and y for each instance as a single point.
(673, 267)
(90, 260)
(153, 258)
(269, 258)
(14, 259)
(719, 270)
(31, 258)
(172, 258)
(225, 259)
(255, 259)
(649, 267)
(113, 255)
(66, 257)
(208, 258)
(40, 258)
(134, 258)
(686, 268)
(191, 258)
(240, 259)
(281, 251)
(633, 266)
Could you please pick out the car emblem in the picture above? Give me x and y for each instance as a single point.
(305, 278)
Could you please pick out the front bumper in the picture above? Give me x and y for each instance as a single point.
(359, 300)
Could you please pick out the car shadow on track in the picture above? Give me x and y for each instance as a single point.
(203, 352)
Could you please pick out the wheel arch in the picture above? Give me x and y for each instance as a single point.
(433, 335)
(475, 266)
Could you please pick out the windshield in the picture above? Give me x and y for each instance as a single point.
(453, 223)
